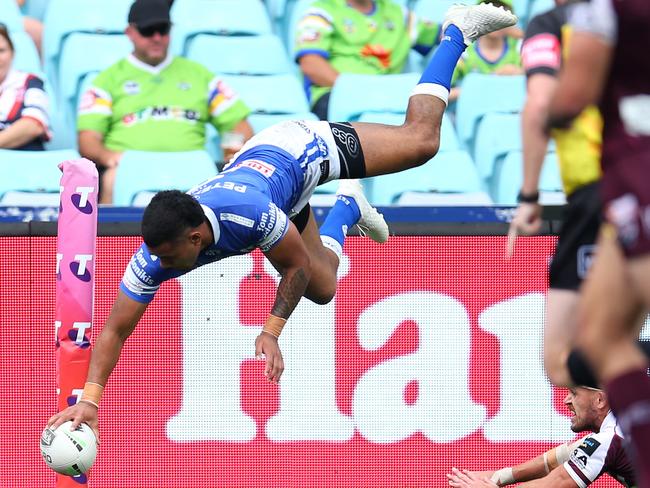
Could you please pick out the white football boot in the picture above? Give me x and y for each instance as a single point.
(477, 20)
(371, 223)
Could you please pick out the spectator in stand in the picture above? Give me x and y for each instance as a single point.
(356, 36)
(497, 53)
(33, 27)
(23, 103)
(153, 101)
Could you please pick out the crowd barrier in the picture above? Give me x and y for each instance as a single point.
(429, 357)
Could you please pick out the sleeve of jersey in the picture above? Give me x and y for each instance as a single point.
(541, 51)
(142, 276)
(597, 17)
(587, 461)
(225, 107)
(314, 33)
(95, 108)
(36, 104)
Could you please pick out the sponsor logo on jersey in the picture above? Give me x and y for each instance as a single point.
(589, 446)
(184, 86)
(542, 50)
(161, 113)
(131, 87)
(585, 259)
(259, 166)
(237, 219)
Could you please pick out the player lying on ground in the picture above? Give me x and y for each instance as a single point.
(261, 201)
(570, 465)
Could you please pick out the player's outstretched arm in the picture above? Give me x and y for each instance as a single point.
(291, 259)
(536, 468)
(123, 318)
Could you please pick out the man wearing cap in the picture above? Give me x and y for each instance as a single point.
(152, 100)
(570, 465)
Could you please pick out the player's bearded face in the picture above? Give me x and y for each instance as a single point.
(580, 403)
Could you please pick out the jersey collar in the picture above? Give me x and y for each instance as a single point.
(212, 218)
(154, 70)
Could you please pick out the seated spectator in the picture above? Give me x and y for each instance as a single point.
(152, 100)
(356, 36)
(34, 28)
(497, 53)
(23, 104)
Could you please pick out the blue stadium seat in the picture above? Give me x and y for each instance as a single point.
(448, 173)
(63, 17)
(142, 171)
(540, 6)
(241, 55)
(448, 137)
(497, 134)
(225, 17)
(26, 56)
(262, 121)
(483, 94)
(273, 94)
(11, 16)
(31, 176)
(434, 10)
(353, 94)
(509, 176)
(35, 8)
(82, 54)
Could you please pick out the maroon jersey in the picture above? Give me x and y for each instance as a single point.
(625, 106)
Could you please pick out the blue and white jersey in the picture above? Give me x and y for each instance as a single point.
(249, 204)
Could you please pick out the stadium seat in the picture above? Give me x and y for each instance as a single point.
(90, 16)
(35, 8)
(225, 17)
(26, 56)
(483, 94)
(497, 134)
(509, 176)
(540, 6)
(434, 10)
(83, 54)
(11, 16)
(352, 94)
(142, 171)
(448, 173)
(273, 94)
(31, 176)
(262, 121)
(241, 55)
(448, 137)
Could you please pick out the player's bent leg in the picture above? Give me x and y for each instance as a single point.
(393, 149)
(324, 265)
(559, 329)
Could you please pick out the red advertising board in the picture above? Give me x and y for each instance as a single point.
(429, 357)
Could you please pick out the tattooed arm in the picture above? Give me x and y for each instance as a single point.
(291, 258)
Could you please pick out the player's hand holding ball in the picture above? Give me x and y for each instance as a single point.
(69, 450)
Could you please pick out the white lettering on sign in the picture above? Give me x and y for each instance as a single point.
(215, 344)
(527, 411)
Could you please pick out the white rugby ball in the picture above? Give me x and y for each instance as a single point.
(70, 452)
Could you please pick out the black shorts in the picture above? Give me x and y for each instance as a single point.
(577, 240)
(301, 218)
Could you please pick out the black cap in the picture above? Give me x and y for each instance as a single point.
(145, 13)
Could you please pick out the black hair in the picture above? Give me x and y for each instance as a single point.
(4, 32)
(168, 215)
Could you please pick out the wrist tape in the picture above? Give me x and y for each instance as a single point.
(274, 325)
